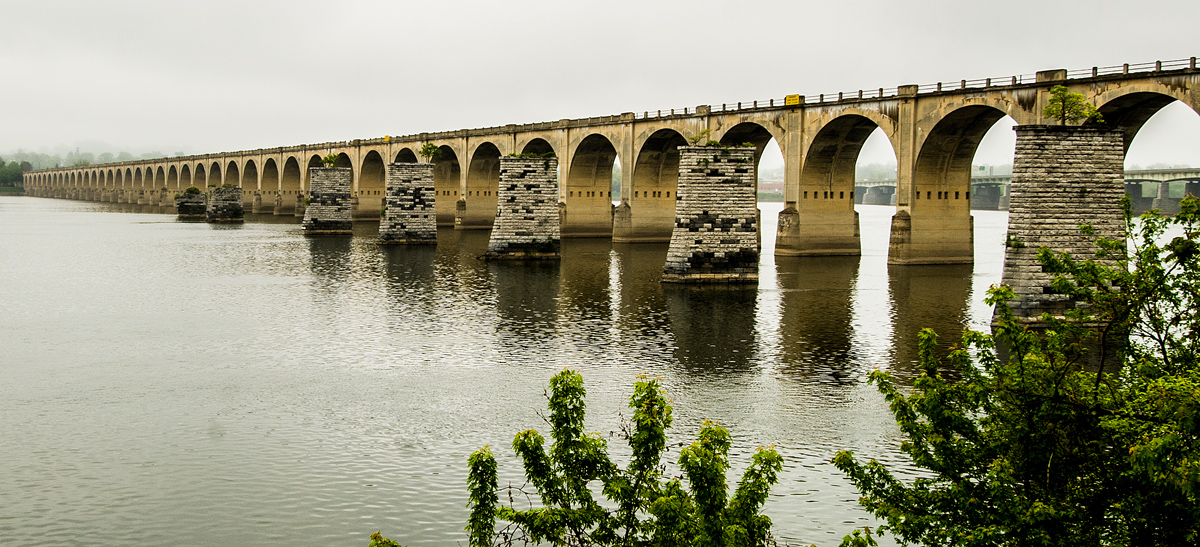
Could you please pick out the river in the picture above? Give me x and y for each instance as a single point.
(183, 383)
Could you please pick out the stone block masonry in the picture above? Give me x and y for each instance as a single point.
(328, 210)
(715, 239)
(1063, 177)
(225, 205)
(190, 206)
(409, 217)
(527, 223)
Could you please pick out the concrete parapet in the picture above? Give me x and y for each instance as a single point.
(715, 239)
(527, 223)
(225, 205)
(191, 206)
(328, 209)
(410, 217)
(1063, 177)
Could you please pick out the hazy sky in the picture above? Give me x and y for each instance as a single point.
(225, 75)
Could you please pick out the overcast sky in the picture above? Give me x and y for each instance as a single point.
(223, 75)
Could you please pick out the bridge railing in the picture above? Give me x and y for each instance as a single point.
(1127, 68)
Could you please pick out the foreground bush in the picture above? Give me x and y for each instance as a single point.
(644, 507)
(1040, 448)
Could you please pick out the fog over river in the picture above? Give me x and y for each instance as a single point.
(192, 384)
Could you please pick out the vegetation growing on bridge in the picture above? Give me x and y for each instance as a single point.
(1038, 449)
(1067, 107)
(430, 151)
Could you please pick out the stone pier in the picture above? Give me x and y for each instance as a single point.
(715, 239)
(1063, 177)
(527, 223)
(190, 206)
(225, 205)
(409, 217)
(328, 210)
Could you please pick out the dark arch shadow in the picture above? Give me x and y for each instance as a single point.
(588, 197)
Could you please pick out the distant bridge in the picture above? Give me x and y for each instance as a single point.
(934, 129)
(990, 192)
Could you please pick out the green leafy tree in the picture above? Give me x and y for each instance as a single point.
(1068, 107)
(644, 508)
(1040, 448)
(329, 160)
(430, 151)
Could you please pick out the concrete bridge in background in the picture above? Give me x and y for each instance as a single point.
(934, 130)
(1148, 188)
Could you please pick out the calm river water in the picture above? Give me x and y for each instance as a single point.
(181, 383)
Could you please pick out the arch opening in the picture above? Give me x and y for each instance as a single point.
(200, 178)
(588, 192)
(232, 175)
(251, 196)
(1162, 160)
(289, 187)
(185, 177)
(653, 189)
(271, 197)
(538, 146)
(372, 187)
(447, 178)
(483, 183)
(405, 155)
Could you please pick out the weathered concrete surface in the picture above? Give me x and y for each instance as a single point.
(715, 239)
(411, 214)
(526, 225)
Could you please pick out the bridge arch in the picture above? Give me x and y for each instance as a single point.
(232, 174)
(372, 186)
(483, 184)
(269, 188)
(588, 189)
(313, 161)
(828, 172)
(447, 179)
(173, 179)
(199, 177)
(290, 186)
(655, 180)
(185, 177)
(270, 176)
(537, 145)
(942, 170)
(405, 155)
(1129, 108)
(214, 174)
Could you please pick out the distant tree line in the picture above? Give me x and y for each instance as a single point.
(77, 158)
(10, 173)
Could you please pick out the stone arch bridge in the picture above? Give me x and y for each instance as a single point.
(934, 130)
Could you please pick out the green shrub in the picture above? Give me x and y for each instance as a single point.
(643, 508)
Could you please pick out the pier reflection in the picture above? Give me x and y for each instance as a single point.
(586, 279)
(329, 257)
(526, 294)
(934, 297)
(713, 326)
(817, 311)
